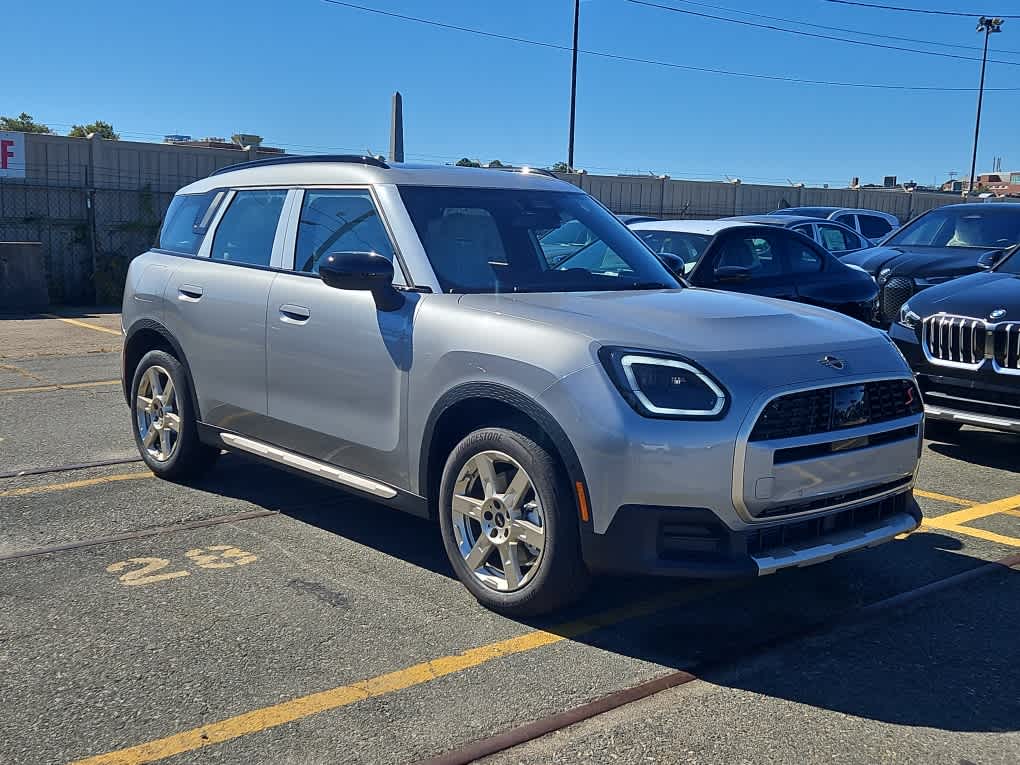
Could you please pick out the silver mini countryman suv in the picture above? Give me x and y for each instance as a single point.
(496, 351)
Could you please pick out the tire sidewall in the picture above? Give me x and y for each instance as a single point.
(548, 585)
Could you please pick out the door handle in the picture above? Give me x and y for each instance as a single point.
(294, 314)
(189, 292)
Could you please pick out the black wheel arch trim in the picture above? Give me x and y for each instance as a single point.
(509, 397)
(152, 325)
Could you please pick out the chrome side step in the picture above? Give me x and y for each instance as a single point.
(314, 467)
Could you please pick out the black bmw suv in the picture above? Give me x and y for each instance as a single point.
(962, 340)
(940, 245)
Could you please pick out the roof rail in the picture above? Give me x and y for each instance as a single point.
(524, 169)
(295, 159)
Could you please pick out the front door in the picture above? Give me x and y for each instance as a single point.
(337, 365)
(746, 259)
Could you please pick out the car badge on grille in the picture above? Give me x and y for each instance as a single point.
(997, 314)
(832, 362)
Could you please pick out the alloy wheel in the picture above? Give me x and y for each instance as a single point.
(499, 521)
(157, 415)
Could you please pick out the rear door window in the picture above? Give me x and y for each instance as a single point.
(836, 239)
(246, 233)
(848, 220)
(759, 254)
(874, 227)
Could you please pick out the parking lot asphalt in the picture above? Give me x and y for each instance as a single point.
(253, 617)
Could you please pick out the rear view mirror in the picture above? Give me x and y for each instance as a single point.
(732, 274)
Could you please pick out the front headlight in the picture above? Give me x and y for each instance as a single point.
(931, 281)
(662, 385)
(908, 318)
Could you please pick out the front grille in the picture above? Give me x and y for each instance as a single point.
(1007, 346)
(810, 412)
(895, 293)
(762, 540)
(956, 339)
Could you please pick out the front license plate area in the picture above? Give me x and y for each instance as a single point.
(849, 406)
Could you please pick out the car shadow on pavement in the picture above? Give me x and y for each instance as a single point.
(982, 447)
(946, 661)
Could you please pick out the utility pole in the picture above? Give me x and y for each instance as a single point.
(573, 88)
(989, 27)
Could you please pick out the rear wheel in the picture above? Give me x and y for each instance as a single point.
(509, 525)
(941, 430)
(165, 428)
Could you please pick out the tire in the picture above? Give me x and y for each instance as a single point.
(941, 430)
(163, 420)
(517, 576)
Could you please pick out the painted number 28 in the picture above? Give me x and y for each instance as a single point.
(139, 571)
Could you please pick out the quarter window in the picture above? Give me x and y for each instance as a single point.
(338, 220)
(186, 221)
(247, 230)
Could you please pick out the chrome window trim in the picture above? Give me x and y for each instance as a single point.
(751, 419)
(630, 359)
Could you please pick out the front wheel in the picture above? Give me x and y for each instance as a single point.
(509, 524)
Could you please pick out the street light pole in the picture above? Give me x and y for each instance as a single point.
(989, 27)
(573, 89)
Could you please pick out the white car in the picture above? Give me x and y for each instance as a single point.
(873, 225)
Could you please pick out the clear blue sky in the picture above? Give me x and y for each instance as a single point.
(316, 77)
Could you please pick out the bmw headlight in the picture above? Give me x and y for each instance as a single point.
(931, 281)
(908, 318)
(663, 385)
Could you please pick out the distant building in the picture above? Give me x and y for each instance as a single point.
(220, 143)
(999, 184)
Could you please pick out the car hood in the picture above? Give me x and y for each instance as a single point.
(976, 296)
(724, 329)
(918, 261)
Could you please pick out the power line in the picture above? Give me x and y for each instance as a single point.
(668, 64)
(816, 35)
(846, 29)
(918, 10)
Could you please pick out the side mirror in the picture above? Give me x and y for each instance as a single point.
(732, 274)
(368, 271)
(989, 259)
(673, 262)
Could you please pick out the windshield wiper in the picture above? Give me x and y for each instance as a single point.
(654, 286)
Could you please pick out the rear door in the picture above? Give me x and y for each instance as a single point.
(216, 307)
(337, 365)
(747, 259)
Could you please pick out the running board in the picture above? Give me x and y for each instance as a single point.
(314, 467)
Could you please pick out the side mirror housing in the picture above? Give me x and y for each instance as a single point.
(673, 262)
(989, 259)
(367, 271)
(732, 274)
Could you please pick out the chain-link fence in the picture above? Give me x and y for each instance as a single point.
(88, 235)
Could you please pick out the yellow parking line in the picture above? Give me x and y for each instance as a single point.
(334, 698)
(50, 487)
(84, 324)
(59, 386)
(943, 498)
(1015, 513)
(972, 531)
(977, 511)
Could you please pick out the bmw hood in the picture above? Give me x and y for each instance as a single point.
(905, 260)
(975, 296)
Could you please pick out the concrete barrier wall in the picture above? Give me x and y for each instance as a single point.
(94, 204)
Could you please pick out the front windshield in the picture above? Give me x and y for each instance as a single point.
(522, 240)
(1011, 265)
(954, 227)
(683, 244)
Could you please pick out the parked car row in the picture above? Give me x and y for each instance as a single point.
(948, 283)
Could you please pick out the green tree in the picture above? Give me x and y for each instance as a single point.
(465, 162)
(100, 128)
(23, 123)
(560, 167)
(495, 163)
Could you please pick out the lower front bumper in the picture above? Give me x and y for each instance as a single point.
(692, 542)
(972, 418)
